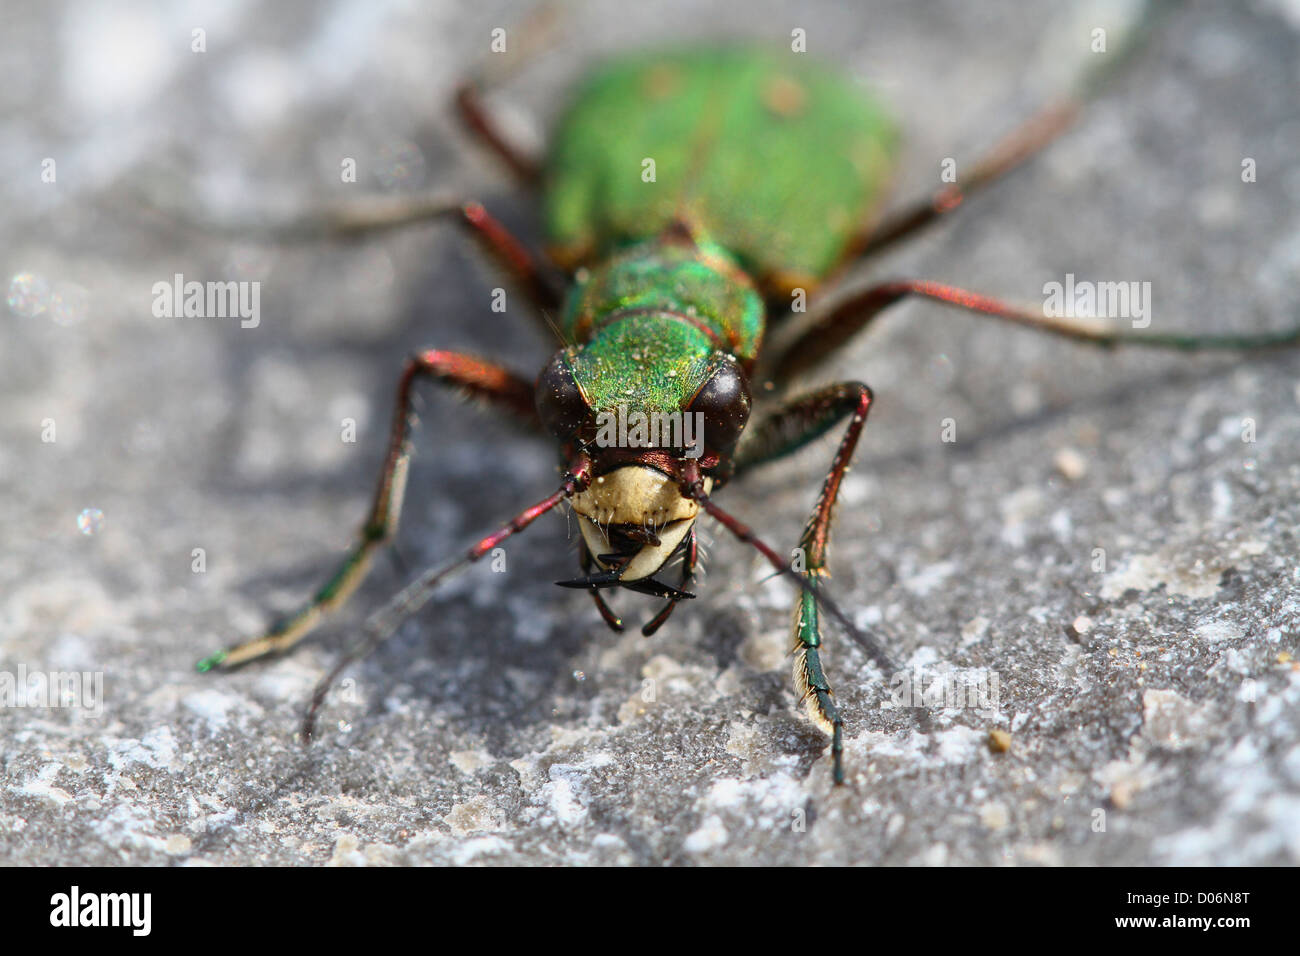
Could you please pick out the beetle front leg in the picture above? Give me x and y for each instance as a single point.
(477, 378)
(781, 433)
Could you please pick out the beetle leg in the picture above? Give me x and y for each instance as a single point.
(784, 431)
(1023, 143)
(537, 279)
(479, 120)
(853, 314)
(539, 282)
(535, 31)
(474, 377)
(369, 214)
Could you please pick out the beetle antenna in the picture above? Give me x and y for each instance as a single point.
(383, 623)
(742, 531)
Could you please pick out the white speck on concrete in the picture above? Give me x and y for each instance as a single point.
(710, 836)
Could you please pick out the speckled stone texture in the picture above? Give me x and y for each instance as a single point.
(1099, 544)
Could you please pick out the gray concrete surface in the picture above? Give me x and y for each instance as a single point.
(505, 724)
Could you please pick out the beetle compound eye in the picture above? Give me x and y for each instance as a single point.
(560, 402)
(724, 402)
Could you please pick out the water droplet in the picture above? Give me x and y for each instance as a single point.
(345, 727)
(90, 521)
(29, 294)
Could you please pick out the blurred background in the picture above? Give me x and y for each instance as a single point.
(505, 723)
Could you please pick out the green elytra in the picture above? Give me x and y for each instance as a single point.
(770, 162)
(687, 198)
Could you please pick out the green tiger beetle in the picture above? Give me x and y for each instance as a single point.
(689, 199)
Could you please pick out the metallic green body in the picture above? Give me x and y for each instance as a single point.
(766, 168)
(651, 318)
(774, 157)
